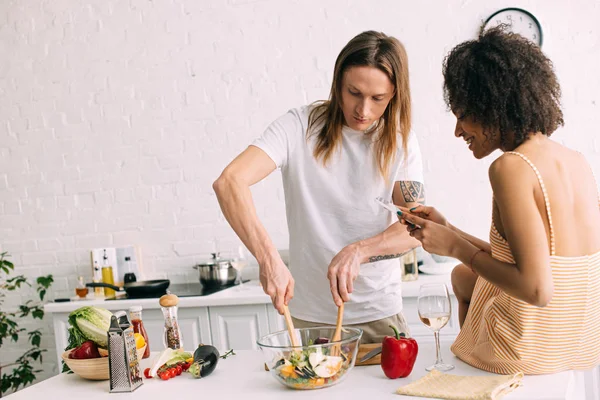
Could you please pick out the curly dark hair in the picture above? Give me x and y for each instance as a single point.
(504, 82)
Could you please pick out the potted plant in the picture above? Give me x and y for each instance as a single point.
(20, 372)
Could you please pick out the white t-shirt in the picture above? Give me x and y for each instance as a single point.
(331, 207)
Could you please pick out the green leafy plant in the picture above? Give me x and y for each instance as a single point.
(22, 372)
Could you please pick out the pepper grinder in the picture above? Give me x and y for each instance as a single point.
(172, 336)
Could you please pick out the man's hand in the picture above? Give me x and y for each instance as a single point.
(342, 272)
(277, 281)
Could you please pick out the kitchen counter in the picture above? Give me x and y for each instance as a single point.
(247, 293)
(243, 376)
(232, 318)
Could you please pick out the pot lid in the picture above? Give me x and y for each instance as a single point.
(216, 260)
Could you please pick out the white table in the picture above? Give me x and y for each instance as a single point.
(243, 376)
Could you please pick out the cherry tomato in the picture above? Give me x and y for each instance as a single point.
(178, 370)
(147, 373)
(163, 375)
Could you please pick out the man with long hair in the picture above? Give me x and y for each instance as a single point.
(336, 157)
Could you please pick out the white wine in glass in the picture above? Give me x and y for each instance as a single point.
(434, 311)
(239, 261)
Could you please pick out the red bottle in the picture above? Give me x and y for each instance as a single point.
(135, 315)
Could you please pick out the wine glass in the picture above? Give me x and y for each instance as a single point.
(434, 311)
(239, 261)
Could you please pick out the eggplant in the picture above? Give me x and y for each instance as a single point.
(205, 361)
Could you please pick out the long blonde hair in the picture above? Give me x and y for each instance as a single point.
(386, 53)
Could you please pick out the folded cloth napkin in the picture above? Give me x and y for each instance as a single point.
(455, 387)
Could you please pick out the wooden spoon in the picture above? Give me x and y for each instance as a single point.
(290, 326)
(337, 334)
(291, 330)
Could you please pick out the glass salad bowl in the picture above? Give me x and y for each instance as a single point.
(316, 363)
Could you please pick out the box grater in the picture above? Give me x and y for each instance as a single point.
(123, 363)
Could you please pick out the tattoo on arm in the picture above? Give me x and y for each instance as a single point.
(413, 191)
(386, 256)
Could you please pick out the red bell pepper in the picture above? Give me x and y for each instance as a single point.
(87, 349)
(398, 355)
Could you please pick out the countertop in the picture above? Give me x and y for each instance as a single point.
(243, 376)
(246, 293)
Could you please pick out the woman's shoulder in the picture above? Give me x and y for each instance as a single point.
(507, 163)
(510, 169)
(513, 162)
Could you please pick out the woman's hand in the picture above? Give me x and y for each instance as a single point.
(435, 238)
(277, 281)
(342, 272)
(426, 212)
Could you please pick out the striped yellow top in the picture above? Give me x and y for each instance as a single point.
(505, 335)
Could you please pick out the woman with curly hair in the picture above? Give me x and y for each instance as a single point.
(530, 299)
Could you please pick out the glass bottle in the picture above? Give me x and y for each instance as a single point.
(409, 265)
(172, 336)
(107, 276)
(98, 291)
(135, 315)
(81, 290)
(129, 276)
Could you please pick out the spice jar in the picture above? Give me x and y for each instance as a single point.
(172, 336)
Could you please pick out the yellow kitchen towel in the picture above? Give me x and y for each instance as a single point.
(455, 387)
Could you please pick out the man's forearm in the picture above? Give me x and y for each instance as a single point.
(238, 208)
(391, 243)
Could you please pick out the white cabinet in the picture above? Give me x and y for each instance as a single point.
(238, 327)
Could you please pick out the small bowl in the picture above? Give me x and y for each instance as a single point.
(310, 365)
(95, 369)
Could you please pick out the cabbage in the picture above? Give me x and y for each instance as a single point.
(91, 323)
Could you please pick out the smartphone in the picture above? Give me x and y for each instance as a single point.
(392, 208)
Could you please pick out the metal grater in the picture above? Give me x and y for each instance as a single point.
(123, 363)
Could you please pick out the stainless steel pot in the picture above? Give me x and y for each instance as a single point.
(217, 272)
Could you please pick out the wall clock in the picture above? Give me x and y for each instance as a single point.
(518, 21)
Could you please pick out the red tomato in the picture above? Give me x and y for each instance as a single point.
(178, 370)
(147, 373)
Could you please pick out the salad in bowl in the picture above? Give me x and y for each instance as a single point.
(317, 362)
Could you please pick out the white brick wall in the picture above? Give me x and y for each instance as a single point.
(116, 116)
